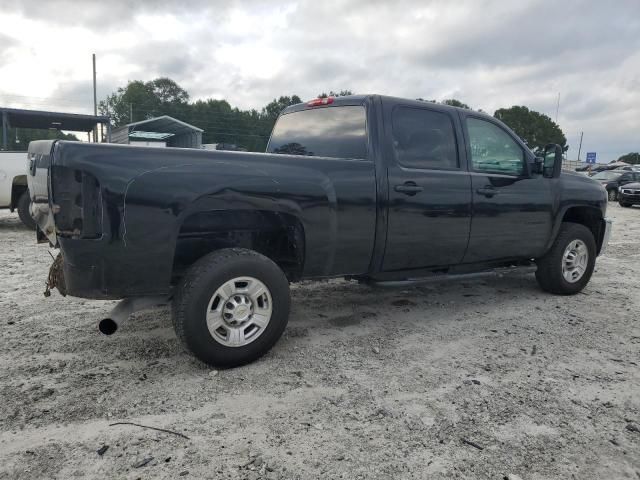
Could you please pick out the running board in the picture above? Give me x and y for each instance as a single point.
(497, 272)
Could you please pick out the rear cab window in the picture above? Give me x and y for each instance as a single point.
(335, 132)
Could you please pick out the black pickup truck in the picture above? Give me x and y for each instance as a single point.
(372, 188)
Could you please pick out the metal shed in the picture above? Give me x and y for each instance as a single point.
(20, 118)
(160, 131)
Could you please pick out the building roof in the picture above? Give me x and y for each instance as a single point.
(51, 120)
(163, 124)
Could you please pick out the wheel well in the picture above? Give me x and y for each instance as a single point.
(18, 187)
(278, 236)
(589, 217)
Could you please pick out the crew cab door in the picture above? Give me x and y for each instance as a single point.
(429, 190)
(512, 209)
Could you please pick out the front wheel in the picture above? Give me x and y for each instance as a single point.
(24, 211)
(568, 265)
(612, 195)
(624, 204)
(231, 307)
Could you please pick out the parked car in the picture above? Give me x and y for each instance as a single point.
(371, 188)
(629, 194)
(13, 186)
(613, 179)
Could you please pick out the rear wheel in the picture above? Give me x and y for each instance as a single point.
(231, 307)
(568, 265)
(613, 195)
(24, 210)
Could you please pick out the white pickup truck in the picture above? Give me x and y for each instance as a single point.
(14, 193)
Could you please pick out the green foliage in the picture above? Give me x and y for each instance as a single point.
(449, 101)
(141, 100)
(341, 93)
(533, 127)
(632, 158)
(26, 135)
(455, 103)
(273, 109)
(221, 123)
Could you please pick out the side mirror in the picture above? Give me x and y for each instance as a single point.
(552, 161)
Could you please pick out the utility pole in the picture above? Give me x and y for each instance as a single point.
(95, 100)
(580, 147)
(557, 107)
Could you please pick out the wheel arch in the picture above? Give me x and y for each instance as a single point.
(589, 216)
(276, 235)
(18, 187)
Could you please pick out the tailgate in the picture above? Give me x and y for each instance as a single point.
(39, 159)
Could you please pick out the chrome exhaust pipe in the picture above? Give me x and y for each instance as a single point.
(124, 308)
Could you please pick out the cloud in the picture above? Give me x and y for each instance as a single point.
(488, 53)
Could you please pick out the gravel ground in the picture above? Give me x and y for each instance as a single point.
(487, 379)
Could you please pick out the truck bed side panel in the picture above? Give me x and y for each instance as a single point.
(152, 191)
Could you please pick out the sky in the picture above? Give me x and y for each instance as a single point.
(488, 54)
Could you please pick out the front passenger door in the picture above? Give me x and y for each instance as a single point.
(512, 210)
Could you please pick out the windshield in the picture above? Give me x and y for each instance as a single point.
(606, 176)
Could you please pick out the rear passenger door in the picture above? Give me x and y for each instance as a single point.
(429, 191)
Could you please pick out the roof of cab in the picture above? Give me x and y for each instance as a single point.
(360, 99)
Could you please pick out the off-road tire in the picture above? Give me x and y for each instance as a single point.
(549, 272)
(612, 195)
(201, 281)
(24, 205)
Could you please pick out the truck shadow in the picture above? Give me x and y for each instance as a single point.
(376, 308)
(325, 311)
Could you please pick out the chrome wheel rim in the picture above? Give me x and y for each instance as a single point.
(239, 311)
(574, 261)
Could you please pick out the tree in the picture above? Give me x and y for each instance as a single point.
(221, 123)
(455, 103)
(633, 158)
(341, 93)
(273, 109)
(449, 101)
(535, 128)
(137, 101)
(168, 91)
(141, 100)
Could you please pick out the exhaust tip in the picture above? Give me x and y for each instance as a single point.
(107, 326)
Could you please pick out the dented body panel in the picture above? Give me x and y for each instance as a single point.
(145, 195)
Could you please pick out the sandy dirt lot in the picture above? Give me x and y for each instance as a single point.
(486, 379)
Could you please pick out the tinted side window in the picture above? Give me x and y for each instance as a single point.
(423, 138)
(338, 132)
(493, 150)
